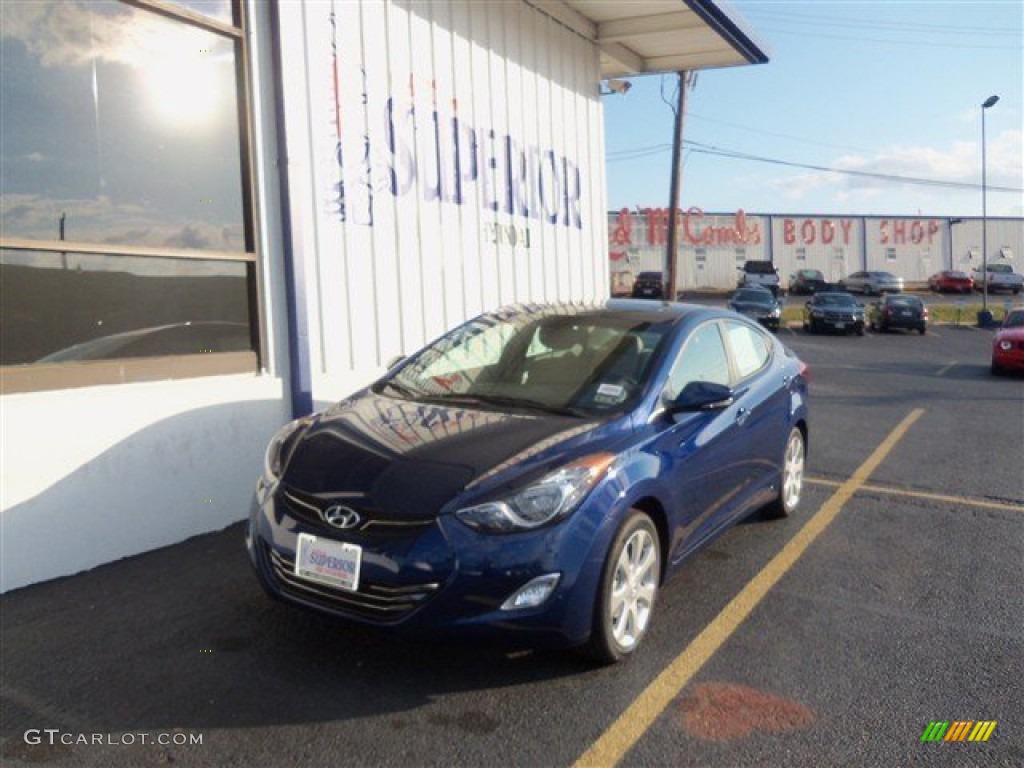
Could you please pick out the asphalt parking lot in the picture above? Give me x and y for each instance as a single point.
(892, 599)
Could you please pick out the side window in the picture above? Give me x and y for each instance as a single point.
(750, 348)
(703, 358)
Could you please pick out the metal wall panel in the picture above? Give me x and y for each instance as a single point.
(451, 156)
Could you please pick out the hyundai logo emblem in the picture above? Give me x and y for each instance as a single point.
(341, 517)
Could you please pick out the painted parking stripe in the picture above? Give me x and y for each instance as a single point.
(620, 737)
(965, 501)
(945, 369)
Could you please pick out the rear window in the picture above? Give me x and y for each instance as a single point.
(1000, 268)
(649, 276)
(759, 267)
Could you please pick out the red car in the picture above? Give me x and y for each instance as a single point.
(950, 281)
(1008, 344)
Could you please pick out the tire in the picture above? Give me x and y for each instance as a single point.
(628, 591)
(791, 486)
(1016, 290)
(860, 330)
(922, 330)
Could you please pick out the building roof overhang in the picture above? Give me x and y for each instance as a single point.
(637, 37)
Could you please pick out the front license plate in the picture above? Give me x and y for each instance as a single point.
(840, 326)
(329, 562)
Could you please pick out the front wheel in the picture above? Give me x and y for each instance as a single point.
(792, 483)
(628, 591)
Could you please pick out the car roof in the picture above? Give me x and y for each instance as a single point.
(639, 309)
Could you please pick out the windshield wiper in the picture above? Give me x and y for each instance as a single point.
(400, 389)
(507, 400)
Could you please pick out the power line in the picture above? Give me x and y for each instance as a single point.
(921, 43)
(707, 149)
(875, 23)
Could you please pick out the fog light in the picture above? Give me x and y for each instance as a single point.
(535, 592)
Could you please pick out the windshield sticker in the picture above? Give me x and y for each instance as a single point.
(610, 393)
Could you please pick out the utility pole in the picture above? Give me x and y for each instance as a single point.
(673, 205)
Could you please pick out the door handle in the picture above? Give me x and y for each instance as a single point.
(741, 416)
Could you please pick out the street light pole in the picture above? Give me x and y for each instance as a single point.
(990, 101)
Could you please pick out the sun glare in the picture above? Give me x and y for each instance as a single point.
(183, 80)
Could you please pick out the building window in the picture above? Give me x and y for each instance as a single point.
(890, 254)
(701, 255)
(838, 254)
(801, 254)
(126, 215)
(741, 256)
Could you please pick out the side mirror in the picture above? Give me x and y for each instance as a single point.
(702, 396)
(394, 361)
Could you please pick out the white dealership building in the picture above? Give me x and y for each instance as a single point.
(712, 246)
(218, 214)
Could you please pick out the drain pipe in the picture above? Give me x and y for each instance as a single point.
(293, 254)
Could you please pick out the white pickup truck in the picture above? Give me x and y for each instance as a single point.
(998, 277)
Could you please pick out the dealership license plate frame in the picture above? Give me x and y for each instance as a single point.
(339, 577)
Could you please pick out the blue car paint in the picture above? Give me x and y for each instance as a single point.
(695, 473)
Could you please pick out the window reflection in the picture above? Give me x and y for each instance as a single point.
(119, 126)
(216, 9)
(76, 307)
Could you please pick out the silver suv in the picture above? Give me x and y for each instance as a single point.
(761, 273)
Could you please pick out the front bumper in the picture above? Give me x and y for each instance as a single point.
(445, 578)
(1009, 359)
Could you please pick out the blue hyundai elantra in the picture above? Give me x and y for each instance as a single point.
(534, 474)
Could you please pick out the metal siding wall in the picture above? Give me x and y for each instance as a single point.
(806, 232)
(374, 144)
(914, 261)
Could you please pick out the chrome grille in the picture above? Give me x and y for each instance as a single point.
(310, 509)
(373, 601)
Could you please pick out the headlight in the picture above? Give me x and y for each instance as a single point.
(1005, 345)
(280, 447)
(551, 498)
(817, 312)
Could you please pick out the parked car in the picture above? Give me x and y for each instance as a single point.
(649, 285)
(758, 304)
(998, 277)
(1008, 343)
(534, 474)
(807, 281)
(951, 281)
(899, 311)
(870, 283)
(761, 273)
(835, 311)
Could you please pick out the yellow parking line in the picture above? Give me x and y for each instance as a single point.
(944, 369)
(615, 742)
(965, 501)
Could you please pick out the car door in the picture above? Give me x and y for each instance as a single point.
(699, 451)
(762, 416)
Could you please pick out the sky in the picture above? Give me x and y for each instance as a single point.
(881, 88)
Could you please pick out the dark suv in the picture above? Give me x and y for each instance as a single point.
(649, 285)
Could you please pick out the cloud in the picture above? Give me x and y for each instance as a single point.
(79, 33)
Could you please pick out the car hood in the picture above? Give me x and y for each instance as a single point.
(1010, 334)
(407, 459)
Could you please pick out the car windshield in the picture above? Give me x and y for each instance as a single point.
(904, 301)
(1014, 319)
(577, 363)
(810, 274)
(1000, 268)
(763, 298)
(956, 275)
(649, 276)
(759, 267)
(834, 299)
